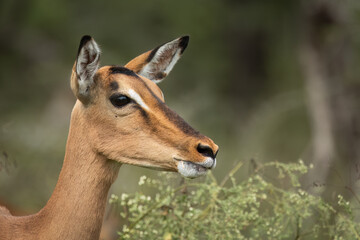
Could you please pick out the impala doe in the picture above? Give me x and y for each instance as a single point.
(119, 117)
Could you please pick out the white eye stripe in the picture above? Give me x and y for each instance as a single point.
(136, 97)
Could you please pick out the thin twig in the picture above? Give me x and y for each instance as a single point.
(231, 173)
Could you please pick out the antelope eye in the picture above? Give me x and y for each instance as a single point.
(119, 100)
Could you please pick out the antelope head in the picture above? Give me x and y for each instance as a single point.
(124, 116)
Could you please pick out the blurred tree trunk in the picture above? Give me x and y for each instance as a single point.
(325, 57)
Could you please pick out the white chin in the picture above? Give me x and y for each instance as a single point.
(191, 170)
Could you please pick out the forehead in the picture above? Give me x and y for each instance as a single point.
(115, 78)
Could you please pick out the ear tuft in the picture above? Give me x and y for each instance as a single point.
(86, 66)
(157, 63)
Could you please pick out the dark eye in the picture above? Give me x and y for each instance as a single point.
(119, 100)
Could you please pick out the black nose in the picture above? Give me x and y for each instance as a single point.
(206, 151)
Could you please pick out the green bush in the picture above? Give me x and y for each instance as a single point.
(250, 209)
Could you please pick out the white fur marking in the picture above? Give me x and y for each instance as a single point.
(208, 163)
(162, 94)
(190, 170)
(138, 99)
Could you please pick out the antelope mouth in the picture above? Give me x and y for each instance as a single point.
(193, 170)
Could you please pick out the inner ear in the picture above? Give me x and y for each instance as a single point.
(86, 66)
(157, 63)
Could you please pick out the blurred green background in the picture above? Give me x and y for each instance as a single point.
(266, 80)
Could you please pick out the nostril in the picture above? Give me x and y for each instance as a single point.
(205, 150)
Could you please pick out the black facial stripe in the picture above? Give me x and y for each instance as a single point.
(144, 114)
(171, 115)
(114, 86)
(122, 70)
(177, 120)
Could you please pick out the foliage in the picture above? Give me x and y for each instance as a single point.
(251, 209)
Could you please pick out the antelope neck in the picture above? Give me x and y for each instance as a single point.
(79, 199)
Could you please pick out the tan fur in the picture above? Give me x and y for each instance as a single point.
(101, 138)
(138, 63)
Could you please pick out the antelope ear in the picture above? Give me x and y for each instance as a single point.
(85, 67)
(156, 64)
